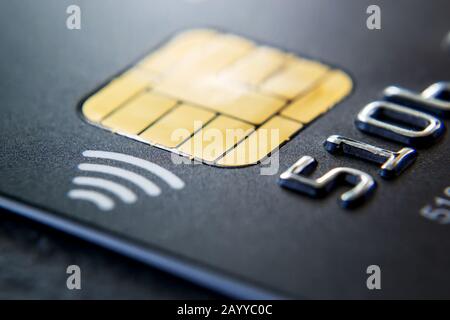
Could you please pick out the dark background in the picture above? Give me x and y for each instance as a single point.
(234, 221)
(33, 262)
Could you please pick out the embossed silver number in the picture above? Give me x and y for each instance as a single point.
(378, 118)
(293, 179)
(392, 163)
(435, 99)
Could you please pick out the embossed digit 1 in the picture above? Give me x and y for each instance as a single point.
(393, 163)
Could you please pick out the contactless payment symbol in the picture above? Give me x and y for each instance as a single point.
(204, 84)
(100, 180)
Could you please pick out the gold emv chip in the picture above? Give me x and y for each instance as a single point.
(217, 98)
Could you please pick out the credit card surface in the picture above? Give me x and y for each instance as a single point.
(295, 149)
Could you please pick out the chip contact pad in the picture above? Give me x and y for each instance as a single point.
(217, 98)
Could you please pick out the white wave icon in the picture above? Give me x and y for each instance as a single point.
(105, 202)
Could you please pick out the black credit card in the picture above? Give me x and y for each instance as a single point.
(263, 149)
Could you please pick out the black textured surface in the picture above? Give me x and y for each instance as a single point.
(235, 221)
(34, 259)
